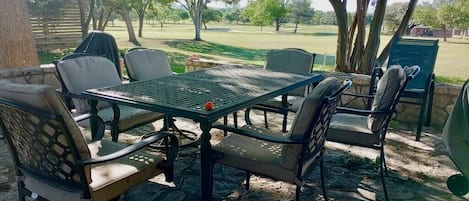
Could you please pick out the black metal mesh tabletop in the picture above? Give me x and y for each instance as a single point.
(229, 88)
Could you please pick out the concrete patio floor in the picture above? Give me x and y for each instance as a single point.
(418, 171)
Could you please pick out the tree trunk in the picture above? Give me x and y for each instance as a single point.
(17, 45)
(277, 24)
(140, 24)
(399, 32)
(130, 29)
(296, 26)
(444, 32)
(85, 18)
(342, 64)
(367, 63)
(199, 10)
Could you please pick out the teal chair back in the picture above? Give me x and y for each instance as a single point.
(409, 52)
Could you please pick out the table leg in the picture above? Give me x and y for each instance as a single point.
(206, 162)
(93, 123)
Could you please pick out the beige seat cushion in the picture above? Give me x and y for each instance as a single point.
(145, 64)
(129, 116)
(255, 155)
(114, 178)
(351, 129)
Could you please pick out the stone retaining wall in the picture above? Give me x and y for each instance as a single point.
(44, 74)
(443, 99)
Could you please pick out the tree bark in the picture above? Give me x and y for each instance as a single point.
(339, 6)
(17, 45)
(367, 63)
(85, 17)
(128, 22)
(140, 24)
(399, 32)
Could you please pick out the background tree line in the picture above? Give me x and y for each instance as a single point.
(358, 31)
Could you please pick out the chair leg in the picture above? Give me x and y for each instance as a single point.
(114, 133)
(383, 160)
(265, 120)
(235, 119)
(297, 192)
(284, 123)
(21, 192)
(430, 105)
(323, 180)
(420, 121)
(247, 119)
(383, 168)
(225, 122)
(248, 177)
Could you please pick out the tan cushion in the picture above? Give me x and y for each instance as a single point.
(45, 98)
(255, 155)
(129, 116)
(387, 88)
(351, 129)
(115, 177)
(87, 72)
(304, 117)
(290, 60)
(145, 64)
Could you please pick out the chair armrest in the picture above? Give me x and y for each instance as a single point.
(170, 154)
(260, 136)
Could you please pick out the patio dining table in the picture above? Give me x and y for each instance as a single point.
(229, 87)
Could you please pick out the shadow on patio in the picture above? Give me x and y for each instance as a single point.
(418, 171)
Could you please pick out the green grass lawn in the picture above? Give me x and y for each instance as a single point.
(248, 44)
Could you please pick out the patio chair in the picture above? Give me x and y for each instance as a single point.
(53, 161)
(144, 64)
(409, 52)
(78, 73)
(291, 60)
(367, 128)
(287, 157)
(456, 138)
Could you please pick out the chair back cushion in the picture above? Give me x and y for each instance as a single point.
(87, 72)
(293, 61)
(303, 121)
(44, 98)
(145, 64)
(386, 94)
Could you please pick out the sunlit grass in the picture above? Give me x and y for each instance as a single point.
(248, 44)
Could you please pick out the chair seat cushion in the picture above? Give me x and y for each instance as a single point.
(129, 116)
(351, 129)
(254, 155)
(114, 177)
(293, 101)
